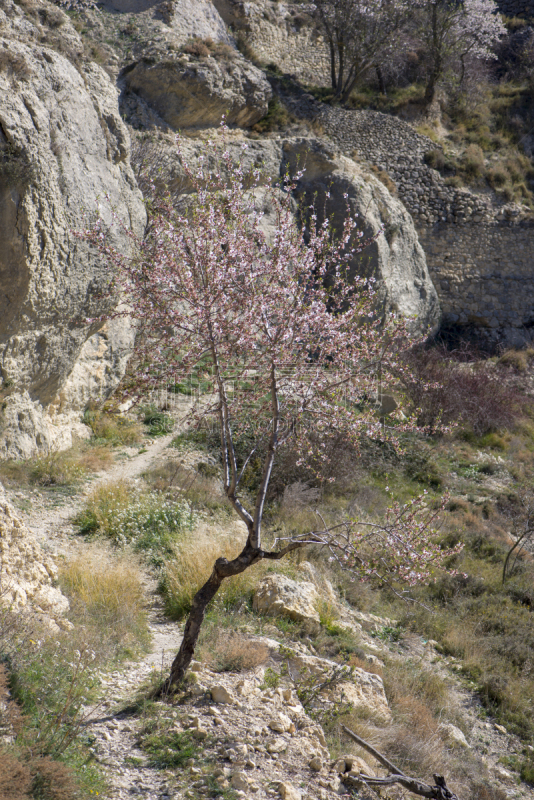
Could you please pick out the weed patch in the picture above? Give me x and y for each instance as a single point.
(151, 524)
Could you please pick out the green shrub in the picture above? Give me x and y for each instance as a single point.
(276, 119)
(150, 523)
(158, 423)
(57, 469)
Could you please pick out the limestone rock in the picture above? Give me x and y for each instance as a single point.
(281, 723)
(277, 745)
(395, 259)
(356, 765)
(64, 147)
(240, 781)
(365, 691)
(278, 595)
(454, 735)
(26, 573)
(197, 94)
(220, 694)
(186, 18)
(288, 792)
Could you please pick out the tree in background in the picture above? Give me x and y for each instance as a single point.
(452, 32)
(294, 350)
(360, 36)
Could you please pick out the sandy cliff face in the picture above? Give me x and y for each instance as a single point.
(64, 151)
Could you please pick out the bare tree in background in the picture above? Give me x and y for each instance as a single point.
(360, 36)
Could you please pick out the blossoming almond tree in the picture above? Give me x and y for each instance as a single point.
(453, 31)
(293, 348)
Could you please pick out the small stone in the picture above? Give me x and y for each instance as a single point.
(288, 792)
(199, 733)
(277, 745)
(244, 688)
(240, 781)
(454, 735)
(340, 766)
(501, 729)
(316, 764)
(220, 694)
(281, 723)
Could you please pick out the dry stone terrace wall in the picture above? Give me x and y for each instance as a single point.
(280, 33)
(484, 277)
(480, 257)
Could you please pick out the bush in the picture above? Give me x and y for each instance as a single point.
(57, 469)
(277, 118)
(44, 685)
(473, 161)
(445, 391)
(112, 428)
(157, 421)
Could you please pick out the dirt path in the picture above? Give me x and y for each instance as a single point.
(50, 519)
(51, 523)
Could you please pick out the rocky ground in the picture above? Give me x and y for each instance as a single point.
(248, 734)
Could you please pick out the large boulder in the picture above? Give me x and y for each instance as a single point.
(278, 595)
(198, 92)
(355, 687)
(394, 257)
(63, 150)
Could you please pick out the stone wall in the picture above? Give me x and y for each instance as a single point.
(483, 275)
(282, 34)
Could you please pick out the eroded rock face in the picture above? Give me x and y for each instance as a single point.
(64, 149)
(26, 573)
(197, 93)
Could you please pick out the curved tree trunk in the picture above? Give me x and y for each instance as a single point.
(221, 569)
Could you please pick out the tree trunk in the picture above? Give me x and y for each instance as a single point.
(222, 569)
(333, 65)
(381, 82)
(201, 601)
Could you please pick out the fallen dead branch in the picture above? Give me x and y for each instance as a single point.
(437, 792)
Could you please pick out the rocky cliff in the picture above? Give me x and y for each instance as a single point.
(64, 155)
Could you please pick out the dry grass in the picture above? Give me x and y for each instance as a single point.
(230, 651)
(96, 458)
(106, 594)
(14, 65)
(193, 563)
(519, 360)
(66, 468)
(57, 469)
(113, 428)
